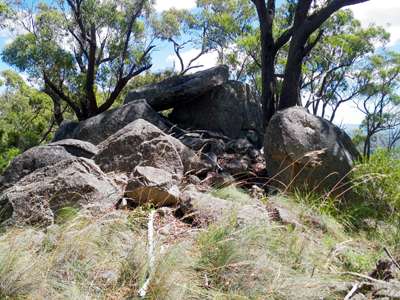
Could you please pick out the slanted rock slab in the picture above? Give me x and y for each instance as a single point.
(180, 89)
(43, 156)
(77, 147)
(77, 182)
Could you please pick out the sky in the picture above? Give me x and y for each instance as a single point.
(385, 13)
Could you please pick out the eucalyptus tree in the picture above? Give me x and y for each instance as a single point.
(330, 71)
(180, 28)
(379, 98)
(83, 52)
(214, 26)
(305, 17)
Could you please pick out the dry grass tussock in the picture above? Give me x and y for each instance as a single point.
(106, 258)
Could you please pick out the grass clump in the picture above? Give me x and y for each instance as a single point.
(19, 272)
(84, 257)
(218, 254)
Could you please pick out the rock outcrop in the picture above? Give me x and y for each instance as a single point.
(77, 182)
(98, 128)
(304, 150)
(232, 109)
(180, 89)
(206, 100)
(140, 155)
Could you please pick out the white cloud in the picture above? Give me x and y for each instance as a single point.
(207, 61)
(162, 5)
(380, 12)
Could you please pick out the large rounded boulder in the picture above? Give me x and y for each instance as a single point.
(140, 143)
(303, 150)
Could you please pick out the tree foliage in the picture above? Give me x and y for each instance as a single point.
(26, 117)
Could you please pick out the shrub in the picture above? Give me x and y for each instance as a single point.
(376, 182)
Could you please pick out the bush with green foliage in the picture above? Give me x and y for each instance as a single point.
(376, 181)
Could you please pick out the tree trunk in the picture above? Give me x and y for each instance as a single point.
(268, 86)
(367, 147)
(291, 83)
(91, 105)
(266, 14)
(304, 25)
(57, 111)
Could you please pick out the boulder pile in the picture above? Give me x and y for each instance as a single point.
(133, 155)
(208, 100)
